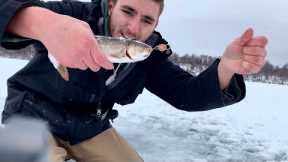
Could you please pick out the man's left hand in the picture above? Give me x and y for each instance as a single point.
(245, 55)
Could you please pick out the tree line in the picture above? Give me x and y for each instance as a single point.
(195, 64)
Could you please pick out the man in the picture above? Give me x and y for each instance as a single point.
(78, 111)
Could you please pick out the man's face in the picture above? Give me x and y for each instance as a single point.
(135, 19)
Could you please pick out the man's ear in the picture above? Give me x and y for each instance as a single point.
(110, 6)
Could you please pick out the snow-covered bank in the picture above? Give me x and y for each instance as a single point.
(253, 130)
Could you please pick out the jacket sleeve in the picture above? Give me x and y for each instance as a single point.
(9, 8)
(189, 93)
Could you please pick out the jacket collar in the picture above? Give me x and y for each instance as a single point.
(104, 10)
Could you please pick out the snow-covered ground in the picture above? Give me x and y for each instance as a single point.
(253, 130)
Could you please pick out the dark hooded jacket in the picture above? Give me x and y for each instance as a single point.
(72, 108)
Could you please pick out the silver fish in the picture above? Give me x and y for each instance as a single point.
(117, 50)
(121, 50)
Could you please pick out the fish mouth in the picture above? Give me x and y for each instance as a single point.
(126, 37)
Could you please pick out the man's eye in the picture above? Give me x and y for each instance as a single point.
(128, 12)
(147, 22)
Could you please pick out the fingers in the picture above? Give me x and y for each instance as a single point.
(256, 60)
(253, 59)
(250, 68)
(89, 61)
(253, 63)
(81, 65)
(246, 36)
(250, 52)
(85, 24)
(259, 41)
(100, 58)
(255, 51)
(77, 47)
(94, 59)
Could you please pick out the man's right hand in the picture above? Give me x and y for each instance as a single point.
(69, 40)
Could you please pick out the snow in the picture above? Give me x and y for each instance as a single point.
(252, 130)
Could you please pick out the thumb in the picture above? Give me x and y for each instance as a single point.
(246, 36)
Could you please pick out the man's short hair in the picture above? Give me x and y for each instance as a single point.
(161, 3)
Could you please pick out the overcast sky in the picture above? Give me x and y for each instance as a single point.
(207, 26)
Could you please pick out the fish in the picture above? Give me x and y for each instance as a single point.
(123, 50)
(116, 49)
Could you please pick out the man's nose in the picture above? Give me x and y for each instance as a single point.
(134, 28)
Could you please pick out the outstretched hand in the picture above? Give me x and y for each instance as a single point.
(246, 54)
